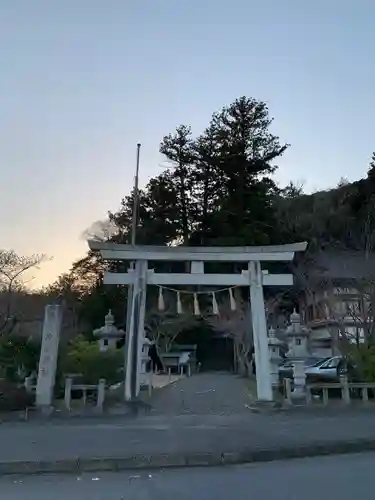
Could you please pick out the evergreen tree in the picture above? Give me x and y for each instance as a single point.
(246, 152)
(178, 149)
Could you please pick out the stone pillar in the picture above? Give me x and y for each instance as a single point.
(68, 393)
(48, 356)
(135, 330)
(101, 395)
(274, 353)
(345, 391)
(142, 341)
(299, 375)
(258, 316)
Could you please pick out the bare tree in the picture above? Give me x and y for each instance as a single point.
(358, 309)
(346, 303)
(164, 327)
(237, 325)
(311, 283)
(12, 280)
(362, 308)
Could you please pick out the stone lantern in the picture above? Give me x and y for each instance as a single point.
(274, 345)
(298, 338)
(108, 335)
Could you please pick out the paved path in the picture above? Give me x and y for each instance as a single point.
(343, 477)
(203, 394)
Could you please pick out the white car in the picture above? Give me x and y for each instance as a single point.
(328, 370)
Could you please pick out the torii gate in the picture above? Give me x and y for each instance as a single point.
(140, 276)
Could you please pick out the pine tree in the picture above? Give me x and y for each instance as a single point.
(246, 151)
(178, 149)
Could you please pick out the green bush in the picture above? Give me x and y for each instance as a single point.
(364, 358)
(84, 357)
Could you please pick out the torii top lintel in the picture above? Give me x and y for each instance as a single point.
(115, 251)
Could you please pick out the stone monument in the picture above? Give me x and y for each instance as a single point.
(48, 356)
(108, 335)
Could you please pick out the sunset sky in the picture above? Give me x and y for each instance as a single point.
(82, 81)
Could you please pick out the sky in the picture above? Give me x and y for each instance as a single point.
(82, 81)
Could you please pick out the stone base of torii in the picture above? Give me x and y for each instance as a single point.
(139, 276)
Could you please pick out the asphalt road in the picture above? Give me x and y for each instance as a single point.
(345, 477)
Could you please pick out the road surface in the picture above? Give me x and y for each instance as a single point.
(344, 477)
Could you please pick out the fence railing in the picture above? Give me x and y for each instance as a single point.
(178, 360)
(98, 389)
(345, 388)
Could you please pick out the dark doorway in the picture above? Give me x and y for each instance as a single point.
(215, 351)
(218, 354)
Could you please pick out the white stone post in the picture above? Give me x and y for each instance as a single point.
(48, 356)
(101, 395)
(68, 393)
(345, 391)
(258, 315)
(299, 375)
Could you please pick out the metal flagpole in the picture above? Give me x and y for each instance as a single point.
(135, 200)
(131, 340)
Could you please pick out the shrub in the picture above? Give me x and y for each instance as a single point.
(364, 358)
(84, 357)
